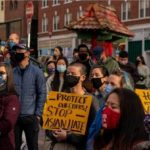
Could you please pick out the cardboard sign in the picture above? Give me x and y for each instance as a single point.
(66, 111)
(145, 98)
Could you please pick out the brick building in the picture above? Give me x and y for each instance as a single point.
(13, 19)
(50, 17)
(55, 14)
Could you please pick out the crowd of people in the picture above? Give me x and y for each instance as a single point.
(116, 120)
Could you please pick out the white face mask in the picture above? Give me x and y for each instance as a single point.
(61, 68)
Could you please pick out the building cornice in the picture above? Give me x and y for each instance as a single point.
(62, 36)
(139, 26)
(14, 20)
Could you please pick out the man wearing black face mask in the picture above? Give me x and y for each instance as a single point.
(74, 78)
(30, 85)
(76, 74)
(85, 59)
(99, 78)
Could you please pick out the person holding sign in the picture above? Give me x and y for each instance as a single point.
(64, 139)
(122, 123)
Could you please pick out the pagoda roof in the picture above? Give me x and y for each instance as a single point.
(103, 18)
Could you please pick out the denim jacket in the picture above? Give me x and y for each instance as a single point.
(31, 88)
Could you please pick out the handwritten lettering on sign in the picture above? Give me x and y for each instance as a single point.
(145, 99)
(67, 111)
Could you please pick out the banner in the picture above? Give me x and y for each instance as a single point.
(67, 111)
(145, 99)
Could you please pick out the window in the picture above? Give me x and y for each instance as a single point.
(55, 21)
(68, 17)
(55, 2)
(144, 6)
(109, 2)
(13, 4)
(80, 12)
(2, 5)
(44, 23)
(44, 3)
(68, 1)
(15, 27)
(125, 10)
(147, 11)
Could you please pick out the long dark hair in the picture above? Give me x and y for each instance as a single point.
(56, 82)
(130, 129)
(10, 83)
(142, 60)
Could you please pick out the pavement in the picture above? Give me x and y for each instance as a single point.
(41, 139)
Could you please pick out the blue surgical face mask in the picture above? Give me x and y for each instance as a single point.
(61, 68)
(7, 61)
(11, 44)
(108, 88)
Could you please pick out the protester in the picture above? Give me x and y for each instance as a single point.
(50, 69)
(31, 88)
(66, 140)
(84, 55)
(97, 53)
(58, 52)
(57, 82)
(128, 66)
(118, 131)
(75, 55)
(9, 54)
(117, 79)
(14, 37)
(103, 59)
(9, 108)
(99, 77)
(144, 73)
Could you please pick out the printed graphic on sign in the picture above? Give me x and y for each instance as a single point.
(66, 111)
(145, 98)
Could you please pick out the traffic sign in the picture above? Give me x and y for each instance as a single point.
(29, 10)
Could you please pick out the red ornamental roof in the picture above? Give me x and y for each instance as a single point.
(99, 17)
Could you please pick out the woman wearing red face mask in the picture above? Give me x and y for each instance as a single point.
(122, 123)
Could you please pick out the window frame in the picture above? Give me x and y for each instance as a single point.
(44, 3)
(125, 10)
(44, 23)
(55, 22)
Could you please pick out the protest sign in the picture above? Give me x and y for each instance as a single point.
(67, 111)
(145, 99)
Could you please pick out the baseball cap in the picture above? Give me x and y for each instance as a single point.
(97, 51)
(123, 54)
(19, 46)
